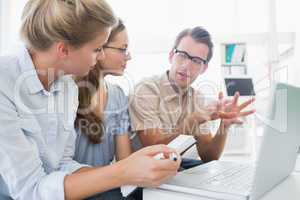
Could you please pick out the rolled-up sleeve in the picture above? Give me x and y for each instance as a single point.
(21, 168)
(67, 163)
(124, 123)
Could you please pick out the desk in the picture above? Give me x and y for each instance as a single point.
(288, 189)
(293, 181)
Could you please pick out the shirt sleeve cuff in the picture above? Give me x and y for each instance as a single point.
(72, 166)
(125, 129)
(52, 186)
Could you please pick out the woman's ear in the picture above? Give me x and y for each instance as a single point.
(62, 49)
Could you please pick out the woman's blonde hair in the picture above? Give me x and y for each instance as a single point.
(75, 22)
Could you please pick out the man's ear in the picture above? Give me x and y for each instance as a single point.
(62, 50)
(171, 55)
(204, 68)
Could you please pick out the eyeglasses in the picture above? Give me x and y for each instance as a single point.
(195, 60)
(124, 51)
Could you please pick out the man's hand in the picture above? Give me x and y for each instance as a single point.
(230, 112)
(227, 110)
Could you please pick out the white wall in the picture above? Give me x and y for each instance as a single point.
(153, 25)
(296, 74)
(10, 19)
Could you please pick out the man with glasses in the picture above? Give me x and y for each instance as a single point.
(162, 107)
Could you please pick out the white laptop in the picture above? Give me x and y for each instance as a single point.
(276, 158)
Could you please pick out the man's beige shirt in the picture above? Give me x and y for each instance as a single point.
(156, 104)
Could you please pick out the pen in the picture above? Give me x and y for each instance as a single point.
(173, 156)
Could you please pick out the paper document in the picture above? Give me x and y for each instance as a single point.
(182, 143)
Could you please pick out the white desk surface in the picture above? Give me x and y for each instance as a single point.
(288, 189)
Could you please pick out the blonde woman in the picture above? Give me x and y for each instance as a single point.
(102, 121)
(38, 104)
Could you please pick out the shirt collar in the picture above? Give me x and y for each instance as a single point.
(168, 90)
(30, 75)
(28, 72)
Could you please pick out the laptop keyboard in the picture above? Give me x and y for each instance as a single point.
(237, 178)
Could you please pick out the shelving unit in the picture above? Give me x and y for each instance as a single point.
(233, 58)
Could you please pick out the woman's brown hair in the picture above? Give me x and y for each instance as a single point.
(87, 122)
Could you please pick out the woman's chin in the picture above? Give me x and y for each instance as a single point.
(117, 73)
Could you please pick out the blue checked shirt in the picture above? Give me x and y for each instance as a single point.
(37, 136)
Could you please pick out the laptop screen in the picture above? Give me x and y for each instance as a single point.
(242, 85)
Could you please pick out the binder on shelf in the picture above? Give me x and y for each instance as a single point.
(235, 54)
(234, 58)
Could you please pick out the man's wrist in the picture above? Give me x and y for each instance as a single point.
(225, 125)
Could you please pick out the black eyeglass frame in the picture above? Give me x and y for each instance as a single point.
(192, 58)
(123, 50)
